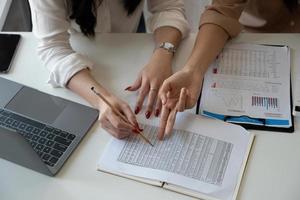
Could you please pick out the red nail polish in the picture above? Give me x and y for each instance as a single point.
(128, 88)
(137, 110)
(157, 111)
(148, 114)
(136, 124)
(135, 131)
(138, 127)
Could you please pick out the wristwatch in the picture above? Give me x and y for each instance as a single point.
(168, 46)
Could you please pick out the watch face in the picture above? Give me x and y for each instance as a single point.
(168, 45)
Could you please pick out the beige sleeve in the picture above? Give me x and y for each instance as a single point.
(224, 13)
(168, 13)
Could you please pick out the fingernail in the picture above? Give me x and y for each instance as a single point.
(160, 138)
(135, 131)
(136, 124)
(138, 127)
(148, 114)
(157, 111)
(128, 88)
(167, 134)
(137, 110)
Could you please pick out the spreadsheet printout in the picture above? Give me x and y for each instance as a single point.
(202, 154)
(185, 153)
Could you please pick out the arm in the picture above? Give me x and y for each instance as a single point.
(187, 82)
(211, 36)
(169, 25)
(50, 26)
(181, 91)
(70, 69)
(81, 84)
(156, 71)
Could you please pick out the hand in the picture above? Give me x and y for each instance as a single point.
(114, 124)
(82, 82)
(178, 92)
(150, 79)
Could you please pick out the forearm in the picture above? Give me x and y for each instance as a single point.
(166, 34)
(209, 42)
(81, 84)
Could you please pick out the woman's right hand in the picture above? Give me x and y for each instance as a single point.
(114, 124)
(82, 82)
(179, 92)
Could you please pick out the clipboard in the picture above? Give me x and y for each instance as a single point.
(257, 123)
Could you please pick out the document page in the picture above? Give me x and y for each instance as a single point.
(189, 154)
(202, 154)
(249, 80)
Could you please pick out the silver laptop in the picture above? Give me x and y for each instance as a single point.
(37, 130)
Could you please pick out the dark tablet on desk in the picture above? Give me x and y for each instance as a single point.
(8, 46)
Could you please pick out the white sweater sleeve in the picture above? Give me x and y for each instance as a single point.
(168, 13)
(50, 26)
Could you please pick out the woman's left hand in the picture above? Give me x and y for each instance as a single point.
(150, 79)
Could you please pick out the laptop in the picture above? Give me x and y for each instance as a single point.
(40, 131)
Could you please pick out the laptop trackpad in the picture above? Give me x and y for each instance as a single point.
(37, 105)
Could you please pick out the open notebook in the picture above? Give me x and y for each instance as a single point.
(204, 158)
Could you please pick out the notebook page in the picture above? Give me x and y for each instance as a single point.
(202, 154)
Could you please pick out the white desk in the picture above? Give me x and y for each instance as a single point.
(273, 171)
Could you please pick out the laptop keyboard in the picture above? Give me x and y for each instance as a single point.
(49, 143)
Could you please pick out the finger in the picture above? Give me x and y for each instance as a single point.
(163, 122)
(107, 124)
(151, 99)
(130, 115)
(113, 131)
(158, 107)
(170, 122)
(120, 134)
(142, 94)
(171, 103)
(173, 94)
(136, 85)
(165, 88)
(191, 99)
(117, 122)
(181, 105)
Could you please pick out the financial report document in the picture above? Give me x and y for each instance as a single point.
(202, 155)
(178, 155)
(251, 82)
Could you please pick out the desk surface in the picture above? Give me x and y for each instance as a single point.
(272, 172)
